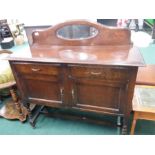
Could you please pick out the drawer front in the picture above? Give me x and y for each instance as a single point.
(106, 73)
(35, 68)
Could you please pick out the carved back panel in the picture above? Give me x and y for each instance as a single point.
(105, 36)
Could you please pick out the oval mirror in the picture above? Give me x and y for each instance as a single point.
(77, 32)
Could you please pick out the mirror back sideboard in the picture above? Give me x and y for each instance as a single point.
(96, 74)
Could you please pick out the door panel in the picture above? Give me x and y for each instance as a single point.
(102, 89)
(97, 96)
(47, 90)
(41, 83)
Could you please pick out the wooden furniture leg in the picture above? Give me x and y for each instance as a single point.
(27, 105)
(143, 116)
(133, 123)
(15, 100)
(125, 124)
(21, 110)
(124, 127)
(35, 114)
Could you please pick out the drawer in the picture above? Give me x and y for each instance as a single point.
(107, 73)
(36, 68)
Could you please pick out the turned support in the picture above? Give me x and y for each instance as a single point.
(125, 125)
(27, 105)
(16, 101)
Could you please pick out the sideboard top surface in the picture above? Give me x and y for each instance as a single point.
(111, 46)
(102, 55)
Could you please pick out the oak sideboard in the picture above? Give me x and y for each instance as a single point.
(79, 65)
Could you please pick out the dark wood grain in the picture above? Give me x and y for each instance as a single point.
(96, 74)
(146, 75)
(106, 36)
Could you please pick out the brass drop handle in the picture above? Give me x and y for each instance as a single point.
(72, 92)
(95, 73)
(62, 91)
(35, 69)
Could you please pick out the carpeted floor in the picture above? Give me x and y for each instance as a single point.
(55, 126)
(148, 54)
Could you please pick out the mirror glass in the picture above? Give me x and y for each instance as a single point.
(77, 32)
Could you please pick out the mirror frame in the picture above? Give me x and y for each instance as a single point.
(71, 25)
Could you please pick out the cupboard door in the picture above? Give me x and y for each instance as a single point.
(98, 89)
(40, 83)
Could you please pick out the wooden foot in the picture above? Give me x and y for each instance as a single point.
(133, 127)
(31, 119)
(125, 125)
(133, 124)
(27, 105)
(124, 130)
(32, 123)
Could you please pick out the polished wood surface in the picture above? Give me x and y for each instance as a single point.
(146, 75)
(106, 35)
(29, 30)
(125, 55)
(111, 46)
(93, 75)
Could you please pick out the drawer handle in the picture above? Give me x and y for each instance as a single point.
(95, 73)
(35, 69)
(62, 91)
(72, 92)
